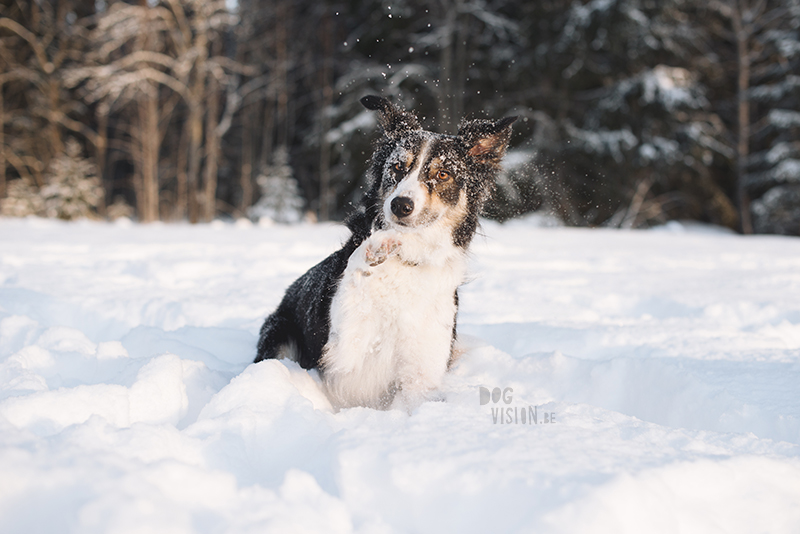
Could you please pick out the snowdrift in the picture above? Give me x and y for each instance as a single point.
(647, 382)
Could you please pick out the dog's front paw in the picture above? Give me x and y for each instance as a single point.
(378, 250)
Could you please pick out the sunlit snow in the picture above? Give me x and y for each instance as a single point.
(662, 367)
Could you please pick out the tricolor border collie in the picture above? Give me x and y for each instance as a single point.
(378, 317)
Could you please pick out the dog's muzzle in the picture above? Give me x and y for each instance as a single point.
(402, 207)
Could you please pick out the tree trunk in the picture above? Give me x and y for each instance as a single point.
(212, 152)
(153, 151)
(181, 176)
(101, 148)
(267, 135)
(56, 144)
(246, 171)
(195, 126)
(325, 121)
(446, 61)
(458, 75)
(452, 64)
(743, 103)
(148, 141)
(282, 67)
(2, 144)
(195, 100)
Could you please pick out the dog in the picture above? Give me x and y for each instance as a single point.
(377, 318)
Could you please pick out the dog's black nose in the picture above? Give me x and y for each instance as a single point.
(402, 206)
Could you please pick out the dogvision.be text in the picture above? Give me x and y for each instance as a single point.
(526, 415)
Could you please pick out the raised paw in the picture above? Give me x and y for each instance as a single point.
(378, 252)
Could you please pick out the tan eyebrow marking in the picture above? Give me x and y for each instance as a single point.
(437, 164)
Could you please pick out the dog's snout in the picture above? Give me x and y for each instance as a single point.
(402, 206)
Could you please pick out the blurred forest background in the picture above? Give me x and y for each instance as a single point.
(632, 112)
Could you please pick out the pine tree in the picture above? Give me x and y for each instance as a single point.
(778, 211)
(773, 167)
(280, 200)
(632, 140)
(119, 209)
(72, 189)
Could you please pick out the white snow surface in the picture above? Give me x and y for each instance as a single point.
(669, 361)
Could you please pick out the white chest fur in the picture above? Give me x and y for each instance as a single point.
(392, 319)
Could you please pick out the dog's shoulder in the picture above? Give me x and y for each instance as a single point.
(304, 311)
(322, 278)
(360, 222)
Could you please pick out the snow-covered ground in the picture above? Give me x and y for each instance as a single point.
(668, 360)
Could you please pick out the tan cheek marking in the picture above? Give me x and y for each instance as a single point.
(434, 209)
(448, 192)
(452, 213)
(458, 211)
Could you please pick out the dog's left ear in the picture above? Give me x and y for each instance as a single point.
(486, 140)
(394, 120)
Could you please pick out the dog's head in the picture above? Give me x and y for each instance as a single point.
(421, 178)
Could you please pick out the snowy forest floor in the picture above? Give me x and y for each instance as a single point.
(669, 360)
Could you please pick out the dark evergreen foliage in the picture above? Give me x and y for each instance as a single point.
(632, 112)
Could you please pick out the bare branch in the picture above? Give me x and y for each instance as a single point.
(30, 38)
(234, 102)
(77, 127)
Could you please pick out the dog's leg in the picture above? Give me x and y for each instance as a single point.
(424, 358)
(420, 381)
(357, 370)
(357, 360)
(274, 334)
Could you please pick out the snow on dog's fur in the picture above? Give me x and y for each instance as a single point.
(378, 316)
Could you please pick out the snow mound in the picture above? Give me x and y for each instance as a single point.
(643, 382)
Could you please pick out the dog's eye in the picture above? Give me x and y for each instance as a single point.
(398, 167)
(442, 176)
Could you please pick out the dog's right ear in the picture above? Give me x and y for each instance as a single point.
(394, 121)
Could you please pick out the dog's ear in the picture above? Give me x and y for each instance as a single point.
(394, 121)
(486, 140)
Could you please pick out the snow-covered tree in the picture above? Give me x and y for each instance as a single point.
(22, 200)
(280, 200)
(778, 210)
(632, 111)
(119, 209)
(631, 137)
(152, 62)
(751, 46)
(72, 187)
(39, 42)
(772, 167)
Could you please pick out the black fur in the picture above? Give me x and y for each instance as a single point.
(303, 317)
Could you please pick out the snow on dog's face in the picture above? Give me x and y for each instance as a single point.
(419, 182)
(421, 178)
